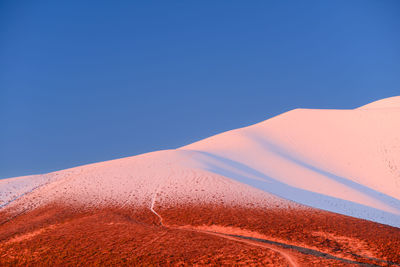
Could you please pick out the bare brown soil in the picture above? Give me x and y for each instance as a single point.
(194, 235)
(110, 236)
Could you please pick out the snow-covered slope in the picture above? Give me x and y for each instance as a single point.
(345, 161)
(168, 177)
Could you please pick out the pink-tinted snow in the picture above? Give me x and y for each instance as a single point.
(345, 161)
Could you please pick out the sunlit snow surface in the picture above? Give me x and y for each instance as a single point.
(345, 161)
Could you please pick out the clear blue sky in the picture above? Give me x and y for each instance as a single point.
(87, 81)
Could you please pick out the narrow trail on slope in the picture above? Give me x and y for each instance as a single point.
(289, 259)
(153, 201)
(152, 210)
(317, 253)
(306, 251)
(287, 256)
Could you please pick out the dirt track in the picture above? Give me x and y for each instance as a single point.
(286, 252)
(289, 258)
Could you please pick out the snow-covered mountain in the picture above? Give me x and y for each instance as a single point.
(344, 161)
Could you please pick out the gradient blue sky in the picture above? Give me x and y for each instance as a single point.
(88, 81)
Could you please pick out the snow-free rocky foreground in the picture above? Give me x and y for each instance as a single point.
(343, 161)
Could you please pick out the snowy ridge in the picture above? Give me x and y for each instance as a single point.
(134, 181)
(345, 161)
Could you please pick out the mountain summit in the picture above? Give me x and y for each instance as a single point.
(390, 102)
